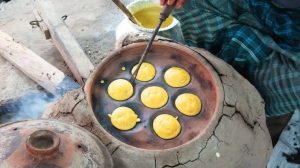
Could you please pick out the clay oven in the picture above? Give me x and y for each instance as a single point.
(230, 129)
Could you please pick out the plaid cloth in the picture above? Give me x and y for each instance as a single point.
(260, 40)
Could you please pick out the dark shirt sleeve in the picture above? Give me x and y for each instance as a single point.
(292, 4)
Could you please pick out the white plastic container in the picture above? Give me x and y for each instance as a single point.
(172, 31)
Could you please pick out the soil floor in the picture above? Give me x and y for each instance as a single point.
(92, 23)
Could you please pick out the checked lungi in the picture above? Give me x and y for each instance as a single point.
(258, 38)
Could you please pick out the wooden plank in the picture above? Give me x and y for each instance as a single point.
(72, 53)
(36, 68)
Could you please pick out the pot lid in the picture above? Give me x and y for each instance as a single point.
(49, 143)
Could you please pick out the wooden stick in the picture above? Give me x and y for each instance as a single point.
(39, 70)
(43, 27)
(126, 11)
(65, 42)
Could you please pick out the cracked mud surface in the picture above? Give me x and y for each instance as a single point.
(238, 137)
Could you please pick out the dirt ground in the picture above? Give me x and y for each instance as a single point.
(92, 23)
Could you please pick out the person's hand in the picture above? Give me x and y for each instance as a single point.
(178, 4)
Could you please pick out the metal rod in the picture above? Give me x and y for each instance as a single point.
(133, 77)
(164, 14)
(126, 11)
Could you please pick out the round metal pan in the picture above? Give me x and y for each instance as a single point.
(163, 55)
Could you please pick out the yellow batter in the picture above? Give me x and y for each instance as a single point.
(120, 89)
(149, 17)
(188, 104)
(123, 118)
(146, 72)
(154, 97)
(177, 77)
(166, 126)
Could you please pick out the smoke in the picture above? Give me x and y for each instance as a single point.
(32, 104)
(4, 1)
(28, 106)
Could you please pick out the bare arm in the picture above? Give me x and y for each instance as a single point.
(179, 3)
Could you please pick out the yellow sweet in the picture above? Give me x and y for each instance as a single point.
(146, 72)
(166, 126)
(154, 97)
(123, 118)
(120, 89)
(188, 104)
(177, 77)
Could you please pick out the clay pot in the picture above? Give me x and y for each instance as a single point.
(230, 131)
(49, 143)
(125, 27)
